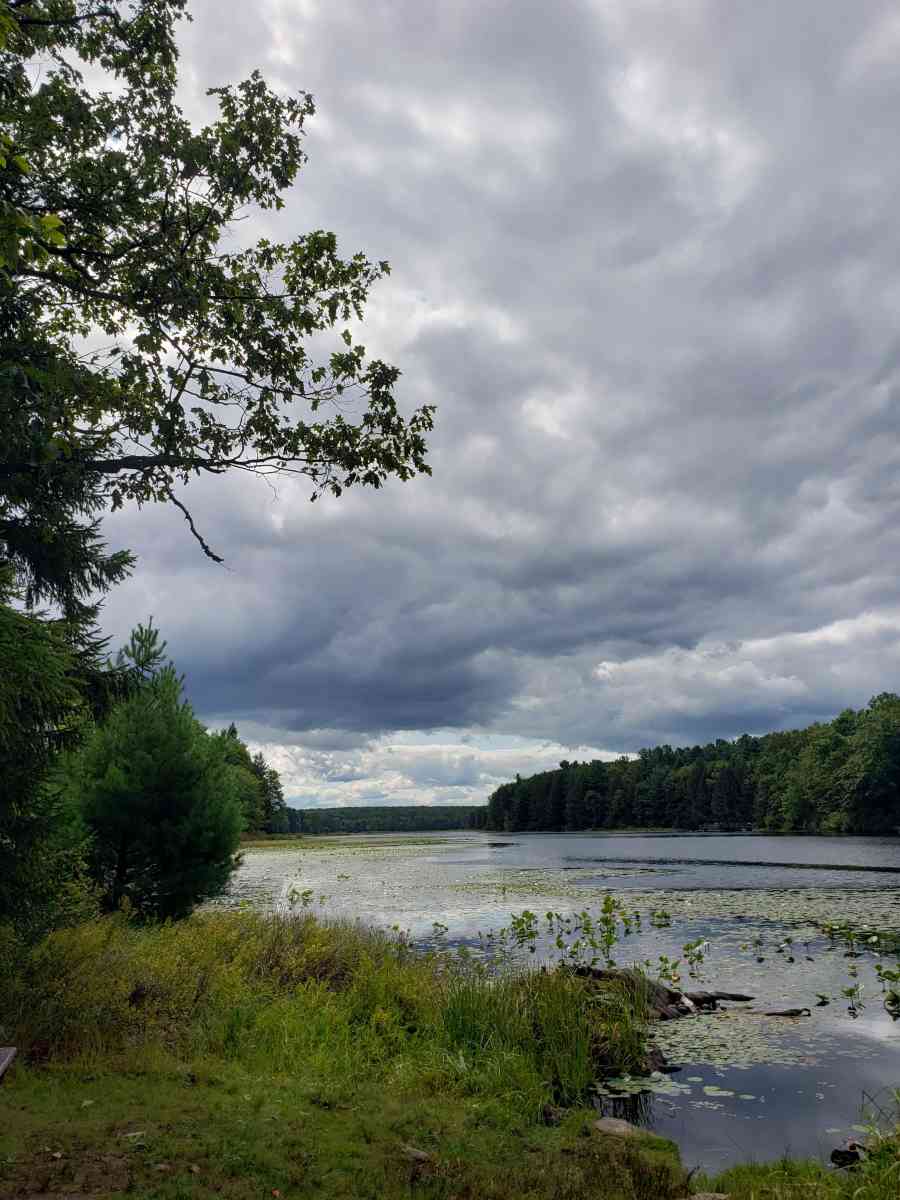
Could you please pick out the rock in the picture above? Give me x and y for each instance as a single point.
(658, 994)
(616, 1127)
(657, 1061)
(415, 1155)
(845, 1158)
(848, 1156)
(708, 1196)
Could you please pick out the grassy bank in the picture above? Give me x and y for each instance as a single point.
(243, 1056)
(876, 1179)
(238, 1055)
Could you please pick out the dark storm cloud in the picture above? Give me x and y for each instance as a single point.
(647, 263)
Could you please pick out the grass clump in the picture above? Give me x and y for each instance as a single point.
(298, 1056)
(876, 1178)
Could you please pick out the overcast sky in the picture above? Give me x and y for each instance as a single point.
(646, 262)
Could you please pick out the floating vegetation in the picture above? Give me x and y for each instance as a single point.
(738, 1038)
(354, 845)
(864, 910)
(570, 883)
(656, 1084)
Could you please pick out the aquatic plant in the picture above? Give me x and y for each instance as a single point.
(694, 954)
(889, 978)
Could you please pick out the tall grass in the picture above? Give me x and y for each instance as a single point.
(333, 1001)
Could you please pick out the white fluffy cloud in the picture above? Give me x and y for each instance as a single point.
(407, 769)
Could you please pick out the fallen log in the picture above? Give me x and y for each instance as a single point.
(711, 999)
(666, 1003)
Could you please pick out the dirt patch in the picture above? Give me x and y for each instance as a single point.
(47, 1177)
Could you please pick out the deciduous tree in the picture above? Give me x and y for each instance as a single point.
(202, 361)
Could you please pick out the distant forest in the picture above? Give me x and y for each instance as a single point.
(384, 819)
(839, 777)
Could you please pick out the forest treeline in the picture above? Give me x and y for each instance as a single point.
(400, 818)
(842, 776)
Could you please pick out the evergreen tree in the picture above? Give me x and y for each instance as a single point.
(159, 801)
(274, 806)
(575, 808)
(556, 802)
(870, 791)
(42, 707)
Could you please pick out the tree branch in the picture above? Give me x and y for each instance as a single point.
(57, 22)
(204, 546)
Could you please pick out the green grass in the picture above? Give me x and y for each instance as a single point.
(876, 1179)
(253, 1055)
(237, 1134)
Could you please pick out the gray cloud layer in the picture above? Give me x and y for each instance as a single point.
(646, 263)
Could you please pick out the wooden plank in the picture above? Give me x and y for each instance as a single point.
(7, 1054)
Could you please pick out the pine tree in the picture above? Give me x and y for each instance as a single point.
(274, 806)
(160, 802)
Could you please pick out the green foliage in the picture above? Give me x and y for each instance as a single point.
(254, 1054)
(116, 232)
(218, 1126)
(202, 363)
(333, 998)
(386, 818)
(246, 781)
(159, 801)
(51, 681)
(259, 786)
(839, 777)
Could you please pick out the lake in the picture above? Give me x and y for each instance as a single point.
(751, 1087)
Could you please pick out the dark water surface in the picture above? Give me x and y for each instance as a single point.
(751, 1087)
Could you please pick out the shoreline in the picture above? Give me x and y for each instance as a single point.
(235, 1052)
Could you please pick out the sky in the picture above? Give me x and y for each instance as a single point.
(645, 263)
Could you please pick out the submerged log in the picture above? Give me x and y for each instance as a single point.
(711, 999)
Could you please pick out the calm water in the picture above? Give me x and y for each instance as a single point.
(751, 1086)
